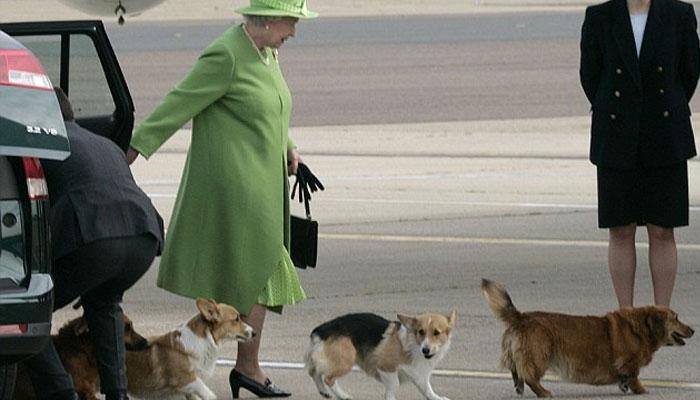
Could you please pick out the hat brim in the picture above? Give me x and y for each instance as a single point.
(267, 12)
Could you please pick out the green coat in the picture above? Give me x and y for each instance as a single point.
(230, 223)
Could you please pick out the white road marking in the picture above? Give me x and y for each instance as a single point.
(485, 240)
(443, 202)
(467, 374)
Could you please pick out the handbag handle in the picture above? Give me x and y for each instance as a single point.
(307, 183)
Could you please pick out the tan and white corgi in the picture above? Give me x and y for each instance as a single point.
(389, 351)
(178, 362)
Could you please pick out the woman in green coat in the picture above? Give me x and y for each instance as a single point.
(228, 237)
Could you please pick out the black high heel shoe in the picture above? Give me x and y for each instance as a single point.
(238, 381)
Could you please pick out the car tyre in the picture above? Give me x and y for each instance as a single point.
(7, 381)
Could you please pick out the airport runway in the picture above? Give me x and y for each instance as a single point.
(402, 69)
(453, 148)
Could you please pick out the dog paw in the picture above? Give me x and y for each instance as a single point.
(639, 390)
(325, 395)
(637, 387)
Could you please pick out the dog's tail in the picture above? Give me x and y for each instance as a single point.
(499, 301)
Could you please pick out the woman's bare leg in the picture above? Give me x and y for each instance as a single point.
(663, 262)
(247, 362)
(622, 262)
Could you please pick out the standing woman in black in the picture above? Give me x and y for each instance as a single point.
(639, 69)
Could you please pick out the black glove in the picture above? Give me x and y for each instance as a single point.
(307, 183)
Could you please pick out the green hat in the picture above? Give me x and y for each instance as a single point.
(278, 8)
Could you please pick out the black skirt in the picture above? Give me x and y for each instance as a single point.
(658, 196)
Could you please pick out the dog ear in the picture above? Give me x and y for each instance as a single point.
(408, 322)
(656, 323)
(452, 318)
(208, 309)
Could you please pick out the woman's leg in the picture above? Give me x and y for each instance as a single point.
(247, 362)
(622, 262)
(663, 262)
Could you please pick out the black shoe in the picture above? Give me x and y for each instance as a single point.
(116, 396)
(238, 381)
(69, 394)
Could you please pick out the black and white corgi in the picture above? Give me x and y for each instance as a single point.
(389, 351)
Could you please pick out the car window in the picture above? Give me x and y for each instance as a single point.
(86, 83)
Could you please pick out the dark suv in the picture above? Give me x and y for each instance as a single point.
(78, 57)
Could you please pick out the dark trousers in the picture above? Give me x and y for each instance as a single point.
(99, 273)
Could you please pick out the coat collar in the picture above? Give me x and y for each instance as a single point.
(622, 31)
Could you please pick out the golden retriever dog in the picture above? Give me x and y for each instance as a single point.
(389, 351)
(582, 349)
(178, 362)
(74, 346)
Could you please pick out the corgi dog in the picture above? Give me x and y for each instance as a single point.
(178, 362)
(389, 351)
(74, 347)
(597, 350)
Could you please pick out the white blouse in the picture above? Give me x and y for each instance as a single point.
(639, 21)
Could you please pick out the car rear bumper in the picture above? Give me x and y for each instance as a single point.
(31, 310)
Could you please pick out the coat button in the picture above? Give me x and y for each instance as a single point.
(660, 69)
(618, 71)
(617, 93)
(666, 114)
(613, 117)
(661, 91)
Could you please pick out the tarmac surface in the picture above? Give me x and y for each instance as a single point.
(28, 10)
(414, 227)
(408, 230)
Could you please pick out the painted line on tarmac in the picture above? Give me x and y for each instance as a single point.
(442, 202)
(467, 374)
(466, 203)
(475, 203)
(484, 240)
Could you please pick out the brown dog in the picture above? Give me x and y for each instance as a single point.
(582, 349)
(74, 346)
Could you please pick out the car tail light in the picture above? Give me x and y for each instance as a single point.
(13, 329)
(21, 68)
(36, 183)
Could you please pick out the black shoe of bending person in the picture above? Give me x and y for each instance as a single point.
(238, 381)
(65, 395)
(116, 396)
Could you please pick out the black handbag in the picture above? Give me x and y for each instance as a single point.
(304, 231)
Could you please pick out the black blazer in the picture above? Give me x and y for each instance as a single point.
(640, 105)
(93, 195)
